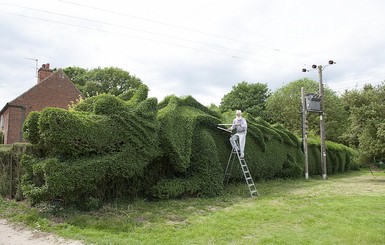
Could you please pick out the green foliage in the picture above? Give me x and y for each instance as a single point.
(77, 75)
(110, 80)
(207, 169)
(189, 149)
(73, 134)
(270, 151)
(140, 95)
(96, 150)
(172, 188)
(1, 137)
(284, 107)
(10, 170)
(367, 117)
(31, 128)
(106, 147)
(248, 97)
(178, 120)
(339, 158)
(98, 177)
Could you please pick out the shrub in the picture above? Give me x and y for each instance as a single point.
(190, 151)
(1, 137)
(31, 128)
(105, 147)
(339, 158)
(10, 170)
(96, 153)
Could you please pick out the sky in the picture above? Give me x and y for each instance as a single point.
(201, 48)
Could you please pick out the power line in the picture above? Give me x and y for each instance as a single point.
(141, 38)
(362, 79)
(134, 37)
(228, 54)
(139, 30)
(183, 28)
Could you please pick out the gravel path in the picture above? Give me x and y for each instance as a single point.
(18, 235)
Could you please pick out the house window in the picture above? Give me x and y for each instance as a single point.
(2, 121)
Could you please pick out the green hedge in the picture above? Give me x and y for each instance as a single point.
(107, 147)
(270, 152)
(1, 137)
(97, 150)
(339, 158)
(10, 170)
(190, 151)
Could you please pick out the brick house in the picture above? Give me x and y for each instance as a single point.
(53, 89)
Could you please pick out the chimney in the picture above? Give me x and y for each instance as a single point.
(43, 73)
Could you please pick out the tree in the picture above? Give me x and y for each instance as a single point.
(109, 80)
(367, 122)
(284, 107)
(77, 75)
(248, 97)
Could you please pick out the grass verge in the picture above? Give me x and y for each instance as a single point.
(344, 209)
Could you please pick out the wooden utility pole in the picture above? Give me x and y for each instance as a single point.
(304, 132)
(322, 123)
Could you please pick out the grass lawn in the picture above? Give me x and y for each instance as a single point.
(344, 209)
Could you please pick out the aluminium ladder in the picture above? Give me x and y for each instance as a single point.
(245, 170)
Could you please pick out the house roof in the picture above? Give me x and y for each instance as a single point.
(59, 72)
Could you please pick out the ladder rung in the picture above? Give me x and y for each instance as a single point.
(246, 172)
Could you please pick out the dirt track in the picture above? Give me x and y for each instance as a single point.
(17, 235)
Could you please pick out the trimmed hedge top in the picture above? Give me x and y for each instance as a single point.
(108, 147)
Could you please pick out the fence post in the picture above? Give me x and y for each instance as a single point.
(11, 178)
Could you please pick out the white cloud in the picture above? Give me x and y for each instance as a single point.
(198, 48)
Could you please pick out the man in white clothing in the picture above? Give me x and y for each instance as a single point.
(240, 124)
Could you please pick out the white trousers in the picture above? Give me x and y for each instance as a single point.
(241, 137)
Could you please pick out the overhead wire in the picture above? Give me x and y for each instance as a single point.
(144, 31)
(156, 33)
(139, 30)
(122, 34)
(183, 28)
(343, 86)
